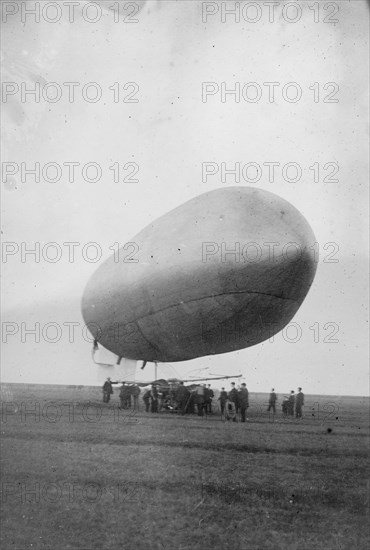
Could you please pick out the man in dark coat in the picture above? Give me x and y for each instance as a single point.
(190, 408)
(182, 397)
(285, 405)
(154, 394)
(291, 404)
(128, 396)
(234, 398)
(199, 399)
(107, 390)
(222, 399)
(123, 395)
(146, 398)
(243, 401)
(299, 402)
(135, 392)
(210, 395)
(272, 401)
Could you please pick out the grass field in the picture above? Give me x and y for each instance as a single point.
(79, 474)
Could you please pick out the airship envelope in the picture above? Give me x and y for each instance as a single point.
(224, 271)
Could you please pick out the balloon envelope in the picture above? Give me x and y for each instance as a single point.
(224, 271)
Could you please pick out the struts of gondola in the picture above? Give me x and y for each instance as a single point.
(95, 348)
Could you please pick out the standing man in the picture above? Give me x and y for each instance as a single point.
(146, 398)
(222, 399)
(234, 398)
(181, 397)
(243, 401)
(128, 396)
(299, 402)
(190, 408)
(122, 396)
(208, 395)
(107, 390)
(135, 393)
(154, 404)
(272, 401)
(125, 396)
(291, 403)
(199, 399)
(285, 405)
(206, 398)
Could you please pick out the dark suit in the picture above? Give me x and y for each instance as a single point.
(291, 404)
(223, 399)
(299, 402)
(107, 391)
(272, 402)
(243, 402)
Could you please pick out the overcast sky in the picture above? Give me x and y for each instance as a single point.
(167, 134)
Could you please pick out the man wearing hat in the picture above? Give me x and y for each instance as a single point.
(272, 401)
(107, 390)
(208, 399)
(291, 402)
(243, 401)
(299, 402)
(234, 398)
(222, 399)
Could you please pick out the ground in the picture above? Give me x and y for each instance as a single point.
(82, 475)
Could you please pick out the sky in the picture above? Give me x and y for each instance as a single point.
(153, 121)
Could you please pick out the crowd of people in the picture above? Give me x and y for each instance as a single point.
(293, 403)
(234, 403)
(199, 399)
(180, 398)
(128, 394)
